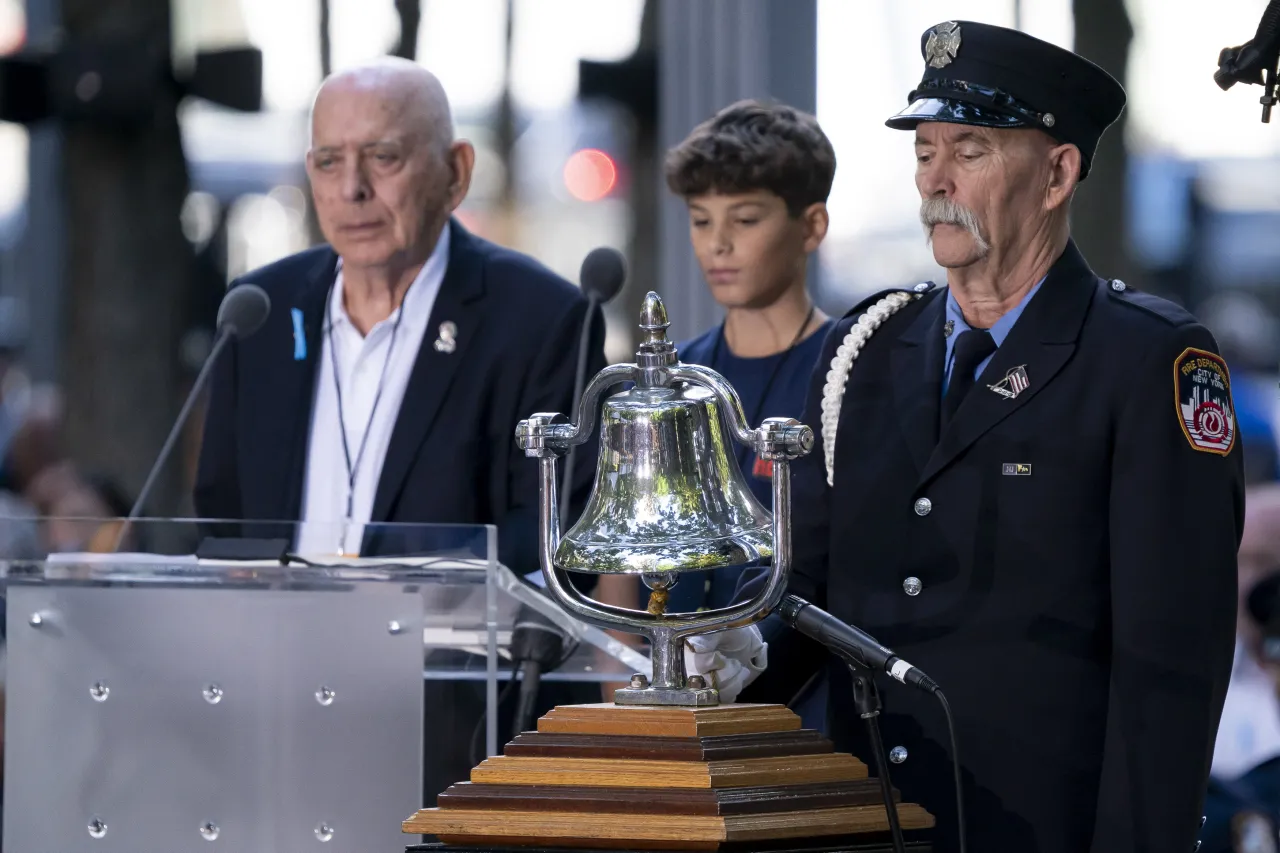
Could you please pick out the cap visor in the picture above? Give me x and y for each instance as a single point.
(951, 110)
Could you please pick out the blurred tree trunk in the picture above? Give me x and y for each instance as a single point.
(505, 227)
(1099, 221)
(129, 269)
(326, 40)
(410, 13)
(647, 188)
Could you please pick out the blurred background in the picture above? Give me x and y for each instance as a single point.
(127, 203)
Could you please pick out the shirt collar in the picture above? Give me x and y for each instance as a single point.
(415, 297)
(999, 329)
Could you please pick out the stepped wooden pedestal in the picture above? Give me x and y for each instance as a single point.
(734, 777)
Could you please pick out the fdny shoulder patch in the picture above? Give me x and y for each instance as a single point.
(1202, 390)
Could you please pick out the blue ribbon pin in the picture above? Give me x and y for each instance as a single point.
(299, 336)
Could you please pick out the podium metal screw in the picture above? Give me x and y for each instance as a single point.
(99, 691)
(97, 828)
(639, 681)
(697, 682)
(394, 627)
(35, 620)
(324, 832)
(325, 697)
(210, 831)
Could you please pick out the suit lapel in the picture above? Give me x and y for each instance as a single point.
(459, 302)
(916, 362)
(296, 394)
(1040, 342)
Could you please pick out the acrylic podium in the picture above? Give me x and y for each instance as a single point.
(161, 700)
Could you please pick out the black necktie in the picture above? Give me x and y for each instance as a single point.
(971, 348)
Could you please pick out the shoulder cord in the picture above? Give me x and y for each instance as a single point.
(842, 363)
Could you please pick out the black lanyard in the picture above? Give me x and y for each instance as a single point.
(352, 469)
(754, 421)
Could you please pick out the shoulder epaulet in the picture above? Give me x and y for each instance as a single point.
(921, 289)
(1170, 312)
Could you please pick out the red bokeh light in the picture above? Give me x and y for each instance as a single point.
(590, 174)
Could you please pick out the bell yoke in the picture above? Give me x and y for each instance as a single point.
(668, 498)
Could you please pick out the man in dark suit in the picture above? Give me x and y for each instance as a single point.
(397, 360)
(428, 344)
(1028, 483)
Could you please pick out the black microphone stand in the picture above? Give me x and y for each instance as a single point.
(866, 699)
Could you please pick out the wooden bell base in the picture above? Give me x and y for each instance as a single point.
(733, 777)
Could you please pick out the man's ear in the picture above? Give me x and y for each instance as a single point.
(462, 160)
(816, 221)
(1064, 175)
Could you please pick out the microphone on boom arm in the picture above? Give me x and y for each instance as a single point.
(243, 311)
(604, 271)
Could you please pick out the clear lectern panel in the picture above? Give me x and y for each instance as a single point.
(190, 685)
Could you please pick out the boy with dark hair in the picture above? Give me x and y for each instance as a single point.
(756, 177)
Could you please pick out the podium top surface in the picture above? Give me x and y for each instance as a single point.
(213, 551)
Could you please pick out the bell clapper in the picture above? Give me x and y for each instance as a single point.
(660, 586)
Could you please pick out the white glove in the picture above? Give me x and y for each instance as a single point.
(728, 660)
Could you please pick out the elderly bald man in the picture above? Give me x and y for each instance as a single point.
(400, 355)
(396, 362)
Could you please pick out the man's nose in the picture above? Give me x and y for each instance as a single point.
(355, 185)
(934, 180)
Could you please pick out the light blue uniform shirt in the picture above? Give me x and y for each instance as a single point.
(999, 331)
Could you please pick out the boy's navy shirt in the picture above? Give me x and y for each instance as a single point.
(791, 371)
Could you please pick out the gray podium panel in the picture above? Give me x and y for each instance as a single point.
(202, 718)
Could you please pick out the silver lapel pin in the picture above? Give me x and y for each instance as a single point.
(447, 342)
(1013, 384)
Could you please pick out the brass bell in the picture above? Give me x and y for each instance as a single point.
(668, 496)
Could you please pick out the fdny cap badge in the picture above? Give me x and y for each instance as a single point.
(943, 44)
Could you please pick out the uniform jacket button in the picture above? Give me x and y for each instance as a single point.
(1118, 286)
(898, 754)
(912, 586)
(923, 506)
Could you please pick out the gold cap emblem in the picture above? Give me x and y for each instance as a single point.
(943, 43)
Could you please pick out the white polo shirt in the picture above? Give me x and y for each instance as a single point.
(326, 530)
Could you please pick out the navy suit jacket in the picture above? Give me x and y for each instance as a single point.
(452, 458)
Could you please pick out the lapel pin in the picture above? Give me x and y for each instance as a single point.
(447, 342)
(948, 327)
(1016, 469)
(1013, 384)
(299, 336)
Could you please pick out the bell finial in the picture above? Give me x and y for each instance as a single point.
(653, 319)
(655, 352)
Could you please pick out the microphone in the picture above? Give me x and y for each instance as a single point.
(850, 643)
(603, 272)
(537, 644)
(1255, 60)
(243, 311)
